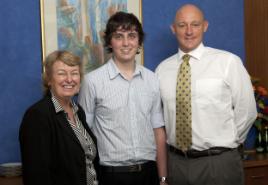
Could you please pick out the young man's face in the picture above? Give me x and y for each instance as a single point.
(125, 44)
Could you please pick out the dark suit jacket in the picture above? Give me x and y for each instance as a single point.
(51, 153)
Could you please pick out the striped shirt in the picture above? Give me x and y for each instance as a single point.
(84, 138)
(122, 113)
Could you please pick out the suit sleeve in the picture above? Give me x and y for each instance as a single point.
(35, 143)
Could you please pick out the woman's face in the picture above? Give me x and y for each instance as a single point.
(64, 81)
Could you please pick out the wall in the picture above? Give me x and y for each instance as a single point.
(225, 29)
(20, 51)
(20, 70)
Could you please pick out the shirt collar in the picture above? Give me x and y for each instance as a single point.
(58, 107)
(114, 71)
(196, 53)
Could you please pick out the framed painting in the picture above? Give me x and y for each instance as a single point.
(78, 26)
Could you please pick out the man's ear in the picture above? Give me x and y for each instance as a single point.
(205, 25)
(172, 28)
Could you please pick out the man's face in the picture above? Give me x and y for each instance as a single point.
(188, 27)
(125, 44)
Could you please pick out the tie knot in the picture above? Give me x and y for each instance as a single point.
(186, 57)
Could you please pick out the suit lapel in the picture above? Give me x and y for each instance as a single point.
(82, 118)
(66, 128)
(62, 121)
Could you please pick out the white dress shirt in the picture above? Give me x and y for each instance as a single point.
(122, 113)
(223, 103)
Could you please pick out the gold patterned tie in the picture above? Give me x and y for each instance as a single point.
(183, 105)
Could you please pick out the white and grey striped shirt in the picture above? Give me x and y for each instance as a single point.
(85, 141)
(122, 113)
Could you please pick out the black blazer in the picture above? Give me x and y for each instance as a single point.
(51, 153)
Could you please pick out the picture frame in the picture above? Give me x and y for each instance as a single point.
(78, 26)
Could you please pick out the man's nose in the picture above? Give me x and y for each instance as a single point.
(189, 30)
(125, 41)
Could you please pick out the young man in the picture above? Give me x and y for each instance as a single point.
(123, 106)
(209, 106)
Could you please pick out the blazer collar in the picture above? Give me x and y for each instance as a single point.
(62, 119)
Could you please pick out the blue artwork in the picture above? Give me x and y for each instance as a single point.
(81, 25)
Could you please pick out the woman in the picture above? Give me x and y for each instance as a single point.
(57, 146)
